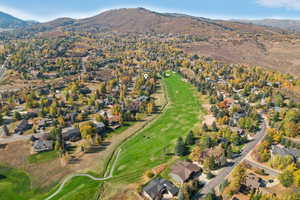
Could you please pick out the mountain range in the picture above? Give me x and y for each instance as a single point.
(228, 41)
(291, 25)
(10, 22)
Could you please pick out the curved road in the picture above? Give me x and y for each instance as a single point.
(225, 173)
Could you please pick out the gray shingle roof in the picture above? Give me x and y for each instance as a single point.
(43, 145)
(158, 186)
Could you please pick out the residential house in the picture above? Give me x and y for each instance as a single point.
(22, 126)
(84, 90)
(71, 134)
(41, 145)
(183, 171)
(4, 131)
(44, 123)
(218, 153)
(251, 181)
(282, 151)
(114, 122)
(160, 188)
(100, 126)
(31, 115)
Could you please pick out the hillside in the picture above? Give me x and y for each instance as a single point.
(232, 42)
(291, 25)
(141, 20)
(10, 22)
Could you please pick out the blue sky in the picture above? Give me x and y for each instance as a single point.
(45, 10)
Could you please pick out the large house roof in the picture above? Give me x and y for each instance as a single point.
(184, 169)
(282, 151)
(158, 186)
(43, 145)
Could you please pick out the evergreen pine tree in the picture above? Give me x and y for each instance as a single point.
(214, 127)
(204, 127)
(180, 149)
(190, 140)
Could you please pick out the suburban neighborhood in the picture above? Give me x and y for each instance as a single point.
(148, 106)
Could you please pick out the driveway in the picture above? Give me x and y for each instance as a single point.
(268, 170)
(223, 175)
(14, 138)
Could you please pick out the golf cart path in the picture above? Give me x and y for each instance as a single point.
(109, 170)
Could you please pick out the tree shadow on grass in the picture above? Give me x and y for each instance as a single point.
(2, 177)
(95, 149)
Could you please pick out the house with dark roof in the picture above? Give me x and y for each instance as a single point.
(183, 171)
(21, 127)
(44, 123)
(100, 126)
(282, 151)
(160, 188)
(71, 134)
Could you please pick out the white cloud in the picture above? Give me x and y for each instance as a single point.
(289, 4)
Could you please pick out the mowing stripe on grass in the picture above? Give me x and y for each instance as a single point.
(149, 148)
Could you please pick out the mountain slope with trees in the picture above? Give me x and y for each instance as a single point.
(227, 41)
(10, 22)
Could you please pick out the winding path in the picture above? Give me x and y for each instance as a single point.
(109, 170)
(85, 175)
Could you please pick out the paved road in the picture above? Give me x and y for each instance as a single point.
(220, 178)
(267, 169)
(85, 175)
(14, 138)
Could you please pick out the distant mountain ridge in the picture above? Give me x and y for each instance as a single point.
(141, 20)
(10, 22)
(286, 24)
(228, 41)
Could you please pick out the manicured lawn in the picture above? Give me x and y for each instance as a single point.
(42, 157)
(143, 151)
(149, 148)
(79, 188)
(14, 184)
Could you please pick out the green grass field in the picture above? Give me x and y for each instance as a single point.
(14, 184)
(80, 188)
(149, 148)
(143, 151)
(42, 157)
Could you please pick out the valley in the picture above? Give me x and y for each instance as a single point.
(134, 104)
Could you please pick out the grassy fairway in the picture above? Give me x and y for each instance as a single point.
(148, 148)
(143, 151)
(79, 188)
(42, 157)
(14, 184)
